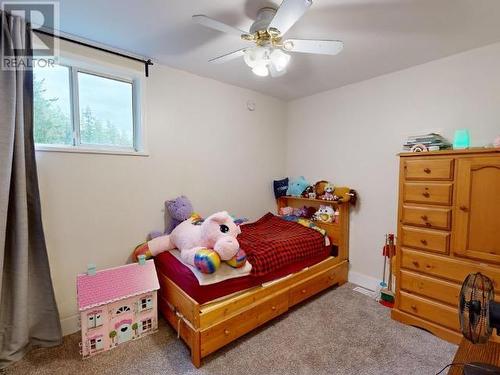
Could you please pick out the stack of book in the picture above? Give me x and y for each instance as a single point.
(426, 142)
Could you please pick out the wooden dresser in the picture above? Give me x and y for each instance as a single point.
(449, 226)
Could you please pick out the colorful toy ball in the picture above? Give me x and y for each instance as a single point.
(238, 260)
(207, 261)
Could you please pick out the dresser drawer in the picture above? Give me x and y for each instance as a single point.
(426, 239)
(310, 287)
(430, 287)
(431, 193)
(218, 335)
(430, 217)
(426, 169)
(436, 312)
(447, 268)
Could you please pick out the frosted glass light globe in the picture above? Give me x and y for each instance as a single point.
(260, 70)
(279, 59)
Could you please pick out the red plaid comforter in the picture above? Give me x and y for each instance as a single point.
(271, 243)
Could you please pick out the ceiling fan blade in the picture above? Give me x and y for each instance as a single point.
(228, 56)
(217, 25)
(288, 13)
(324, 47)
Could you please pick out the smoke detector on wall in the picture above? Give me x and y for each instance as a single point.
(270, 53)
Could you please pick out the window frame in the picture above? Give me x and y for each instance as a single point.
(81, 64)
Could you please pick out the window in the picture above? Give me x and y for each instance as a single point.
(94, 319)
(122, 309)
(146, 325)
(145, 303)
(96, 343)
(83, 109)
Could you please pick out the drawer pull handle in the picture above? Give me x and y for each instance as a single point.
(226, 332)
(428, 266)
(414, 307)
(464, 208)
(427, 170)
(424, 217)
(426, 194)
(416, 264)
(303, 291)
(423, 242)
(331, 277)
(427, 224)
(273, 308)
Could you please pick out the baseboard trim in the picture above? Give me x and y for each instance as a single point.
(70, 325)
(365, 281)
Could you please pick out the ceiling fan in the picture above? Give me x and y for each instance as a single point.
(268, 55)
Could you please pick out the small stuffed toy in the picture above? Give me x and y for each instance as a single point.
(297, 186)
(285, 211)
(344, 195)
(202, 245)
(325, 214)
(309, 192)
(280, 187)
(319, 187)
(328, 194)
(178, 209)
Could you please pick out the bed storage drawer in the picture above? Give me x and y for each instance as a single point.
(220, 334)
(311, 286)
(425, 169)
(436, 312)
(426, 239)
(430, 217)
(430, 193)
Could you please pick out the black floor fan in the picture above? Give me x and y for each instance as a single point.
(479, 314)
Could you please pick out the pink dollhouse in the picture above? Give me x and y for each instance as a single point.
(117, 305)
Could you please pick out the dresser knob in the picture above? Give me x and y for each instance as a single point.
(416, 264)
(226, 332)
(427, 170)
(423, 242)
(427, 224)
(331, 277)
(426, 194)
(303, 291)
(464, 208)
(273, 308)
(424, 217)
(414, 307)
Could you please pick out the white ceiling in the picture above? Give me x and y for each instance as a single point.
(380, 36)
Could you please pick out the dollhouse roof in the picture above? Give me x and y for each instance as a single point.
(114, 284)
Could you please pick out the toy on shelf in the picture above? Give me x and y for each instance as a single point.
(297, 186)
(325, 214)
(178, 209)
(280, 187)
(216, 234)
(328, 193)
(116, 305)
(319, 188)
(285, 211)
(309, 192)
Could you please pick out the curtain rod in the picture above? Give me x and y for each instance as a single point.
(146, 63)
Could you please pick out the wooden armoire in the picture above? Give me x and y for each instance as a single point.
(449, 226)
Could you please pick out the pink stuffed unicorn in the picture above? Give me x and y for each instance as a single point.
(217, 232)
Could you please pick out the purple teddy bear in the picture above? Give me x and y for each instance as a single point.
(178, 209)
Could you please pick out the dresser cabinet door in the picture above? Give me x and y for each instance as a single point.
(476, 223)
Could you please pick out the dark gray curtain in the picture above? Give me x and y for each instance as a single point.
(28, 311)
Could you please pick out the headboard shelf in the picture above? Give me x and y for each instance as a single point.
(337, 232)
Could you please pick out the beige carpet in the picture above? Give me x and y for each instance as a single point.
(339, 332)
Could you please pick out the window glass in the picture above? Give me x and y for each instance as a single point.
(106, 111)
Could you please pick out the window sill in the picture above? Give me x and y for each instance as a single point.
(84, 150)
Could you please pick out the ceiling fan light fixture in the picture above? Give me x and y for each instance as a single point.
(280, 60)
(260, 70)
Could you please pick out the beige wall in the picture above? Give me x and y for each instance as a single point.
(202, 141)
(351, 135)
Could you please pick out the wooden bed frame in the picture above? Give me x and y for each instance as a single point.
(207, 327)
